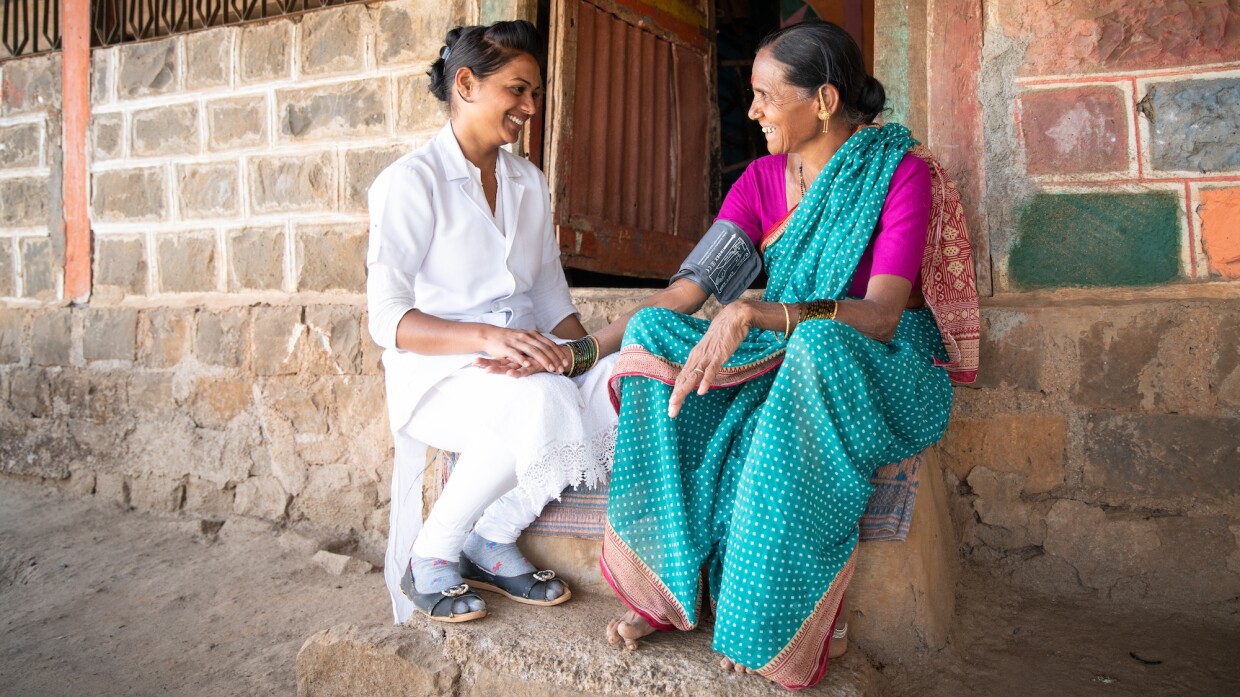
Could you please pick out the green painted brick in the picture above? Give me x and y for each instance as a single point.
(1103, 239)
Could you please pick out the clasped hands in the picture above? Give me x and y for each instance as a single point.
(522, 352)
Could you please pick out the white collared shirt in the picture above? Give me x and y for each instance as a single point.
(436, 246)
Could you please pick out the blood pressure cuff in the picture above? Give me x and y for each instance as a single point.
(723, 263)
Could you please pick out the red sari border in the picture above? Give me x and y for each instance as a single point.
(636, 361)
(803, 662)
(638, 587)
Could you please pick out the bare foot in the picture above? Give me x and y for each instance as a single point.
(628, 629)
(729, 665)
(838, 648)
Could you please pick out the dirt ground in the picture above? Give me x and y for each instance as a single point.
(1007, 641)
(96, 601)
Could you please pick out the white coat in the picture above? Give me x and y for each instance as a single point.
(436, 246)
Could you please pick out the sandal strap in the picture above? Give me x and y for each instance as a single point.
(443, 606)
(433, 604)
(523, 585)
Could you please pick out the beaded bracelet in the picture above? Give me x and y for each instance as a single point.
(585, 355)
(817, 309)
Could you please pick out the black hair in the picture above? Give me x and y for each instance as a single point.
(484, 50)
(817, 53)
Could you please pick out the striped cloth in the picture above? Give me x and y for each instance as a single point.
(583, 512)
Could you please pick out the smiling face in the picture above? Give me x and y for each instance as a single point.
(788, 114)
(495, 108)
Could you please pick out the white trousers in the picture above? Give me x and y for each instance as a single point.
(521, 441)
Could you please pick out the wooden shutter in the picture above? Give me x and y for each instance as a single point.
(632, 133)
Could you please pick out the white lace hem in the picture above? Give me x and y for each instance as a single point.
(574, 463)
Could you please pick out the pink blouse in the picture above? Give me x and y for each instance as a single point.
(758, 200)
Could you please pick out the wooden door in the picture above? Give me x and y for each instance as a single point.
(632, 132)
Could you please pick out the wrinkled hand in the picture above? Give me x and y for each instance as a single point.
(527, 350)
(721, 340)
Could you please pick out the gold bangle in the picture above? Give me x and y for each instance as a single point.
(819, 309)
(787, 321)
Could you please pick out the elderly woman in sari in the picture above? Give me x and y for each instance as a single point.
(747, 443)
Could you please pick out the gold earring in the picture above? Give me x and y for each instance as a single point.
(823, 115)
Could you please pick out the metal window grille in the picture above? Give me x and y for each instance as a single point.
(33, 26)
(29, 26)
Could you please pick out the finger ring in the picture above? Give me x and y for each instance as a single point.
(698, 370)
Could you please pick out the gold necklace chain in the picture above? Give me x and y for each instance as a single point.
(801, 177)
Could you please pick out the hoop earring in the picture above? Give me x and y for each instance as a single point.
(463, 97)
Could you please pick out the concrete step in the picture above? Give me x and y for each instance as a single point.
(519, 650)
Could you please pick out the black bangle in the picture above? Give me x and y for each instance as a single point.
(585, 355)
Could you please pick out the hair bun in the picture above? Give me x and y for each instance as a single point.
(453, 35)
(873, 98)
(483, 50)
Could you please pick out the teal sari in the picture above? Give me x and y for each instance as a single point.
(753, 493)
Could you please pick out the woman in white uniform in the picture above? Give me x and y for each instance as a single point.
(484, 352)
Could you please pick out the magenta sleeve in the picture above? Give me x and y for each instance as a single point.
(902, 225)
(740, 206)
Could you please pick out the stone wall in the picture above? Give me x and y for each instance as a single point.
(221, 365)
(1099, 453)
(31, 242)
(1097, 152)
(236, 160)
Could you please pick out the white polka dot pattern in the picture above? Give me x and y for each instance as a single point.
(762, 484)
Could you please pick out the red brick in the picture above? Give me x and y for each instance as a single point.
(1219, 210)
(1075, 131)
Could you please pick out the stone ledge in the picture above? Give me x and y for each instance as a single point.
(548, 652)
(901, 598)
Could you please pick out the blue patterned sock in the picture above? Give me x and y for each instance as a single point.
(433, 575)
(501, 559)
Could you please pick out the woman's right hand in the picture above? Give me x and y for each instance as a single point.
(526, 348)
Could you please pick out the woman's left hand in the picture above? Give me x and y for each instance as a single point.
(721, 340)
(507, 366)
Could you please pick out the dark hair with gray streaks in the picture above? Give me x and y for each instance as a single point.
(817, 53)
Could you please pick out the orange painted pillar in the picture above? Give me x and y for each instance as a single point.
(75, 81)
